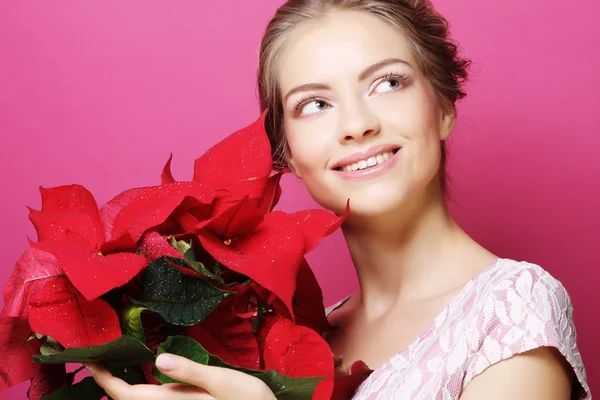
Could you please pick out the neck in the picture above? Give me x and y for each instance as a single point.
(405, 256)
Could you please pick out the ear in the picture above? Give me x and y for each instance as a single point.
(447, 123)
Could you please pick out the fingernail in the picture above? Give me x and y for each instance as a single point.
(89, 368)
(165, 362)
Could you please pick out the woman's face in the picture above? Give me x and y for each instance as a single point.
(361, 120)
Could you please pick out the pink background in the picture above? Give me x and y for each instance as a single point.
(99, 93)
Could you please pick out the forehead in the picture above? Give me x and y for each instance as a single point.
(339, 46)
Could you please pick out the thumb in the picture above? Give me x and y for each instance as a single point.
(182, 369)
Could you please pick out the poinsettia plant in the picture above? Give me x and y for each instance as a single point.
(205, 269)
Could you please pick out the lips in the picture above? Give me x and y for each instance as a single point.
(367, 158)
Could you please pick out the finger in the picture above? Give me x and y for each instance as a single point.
(184, 392)
(118, 389)
(222, 383)
(114, 387)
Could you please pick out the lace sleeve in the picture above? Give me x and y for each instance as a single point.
(527, 310)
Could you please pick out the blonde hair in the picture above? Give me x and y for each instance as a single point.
(425, 29)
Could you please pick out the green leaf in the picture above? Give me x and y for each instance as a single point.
(187, 251)
(120, 352)
(131, 321)
(287, 388)
(179, 298)
(284, 387)
(185, 248)
(87, 389)
(34, 336)
(132, 375)
(50, 347)
(183, 346)
(218, 268)
(202, 270)
(71, 375)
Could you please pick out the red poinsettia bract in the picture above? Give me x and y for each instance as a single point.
(223, 225)
(55, 285)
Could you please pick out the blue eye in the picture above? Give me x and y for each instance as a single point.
(390, 82)
(310, 105)
(313, 107)
(386, 85)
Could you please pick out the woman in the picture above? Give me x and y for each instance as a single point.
(361, 97)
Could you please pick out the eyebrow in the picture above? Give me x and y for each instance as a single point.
(363, 75)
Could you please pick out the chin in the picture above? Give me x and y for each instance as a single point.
(364, 205)
(364, 202)
(389, 194)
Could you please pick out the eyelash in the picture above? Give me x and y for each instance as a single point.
(402, 77)
(303, 101)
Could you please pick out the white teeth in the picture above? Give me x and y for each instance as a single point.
(369, 162)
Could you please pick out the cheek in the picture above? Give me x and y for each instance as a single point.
(309, 146)
(412, 111)
(416, 116)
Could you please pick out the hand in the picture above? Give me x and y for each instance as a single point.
(205, 383)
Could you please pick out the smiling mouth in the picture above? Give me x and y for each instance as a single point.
(369, 162)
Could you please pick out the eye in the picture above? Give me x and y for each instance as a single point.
(390, 82)
(310, 105)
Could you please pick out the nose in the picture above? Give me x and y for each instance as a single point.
(358, 123)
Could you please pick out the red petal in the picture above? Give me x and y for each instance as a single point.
(359, 367)
(271, 194)
(237, 220)
(49, 379)
(91, 273)
(59, 311)
(308, 301)
(32, 270)
(324, 390)
(263, 331)
(152, 208)
(263, 294)
(69, 198)
(147, 369)
(167, 176)
(227, 336)
(244, 155)
(297, 351)
(66, 227)
(316, 224)
(252, 189)
(188, 222)
(185, 270)
(154, 245)
(16, 352)
(346, 385)
(243, 303)
(270, 255)
(263, 192)
(73, 199)
(110, 211)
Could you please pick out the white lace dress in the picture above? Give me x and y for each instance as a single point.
(509, 308)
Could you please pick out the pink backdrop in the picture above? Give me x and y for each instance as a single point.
(99, 93)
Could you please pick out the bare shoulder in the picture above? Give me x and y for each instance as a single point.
(541, 373)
